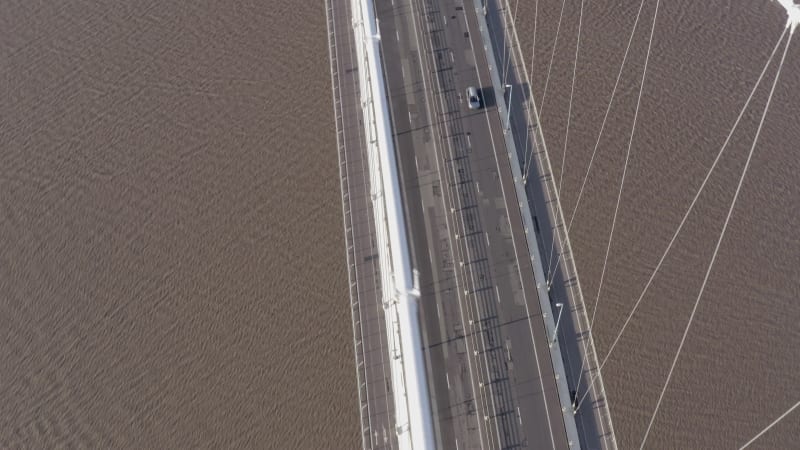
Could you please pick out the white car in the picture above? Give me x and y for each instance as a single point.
(473, 100)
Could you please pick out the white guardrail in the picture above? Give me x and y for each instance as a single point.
(399, 285)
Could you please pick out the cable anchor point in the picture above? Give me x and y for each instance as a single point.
(792, 14)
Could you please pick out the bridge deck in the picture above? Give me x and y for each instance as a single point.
(490, 375)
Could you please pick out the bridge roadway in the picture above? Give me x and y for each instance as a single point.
(491, 379)
(490, 374)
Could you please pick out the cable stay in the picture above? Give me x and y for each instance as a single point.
(552, 56)
(530, 103)
(535, 24)
(508, 61)
(775, 422)
(719, 241)
(624, 167)
(597, 144)
(682, 223)
(571, 95)
(621, 184)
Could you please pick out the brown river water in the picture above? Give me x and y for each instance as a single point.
(172, 267)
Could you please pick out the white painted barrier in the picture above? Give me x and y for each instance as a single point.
(413, 417)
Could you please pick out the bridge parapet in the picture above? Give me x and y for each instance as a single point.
(414, 423)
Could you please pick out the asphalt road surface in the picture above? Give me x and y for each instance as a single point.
(489, 369)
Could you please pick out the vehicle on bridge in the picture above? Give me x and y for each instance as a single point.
(473, 99)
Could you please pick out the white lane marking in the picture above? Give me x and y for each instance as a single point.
(438, 310)
(397, 33)
(447, 376)
(497, 290)
(487, 239)
(403, 71)
(478, 187)
(519, 415)
(416, 163)
(516, 252)
(470, 275)
(469, 142)
(447, 220)
(452, 58)
(409, 118)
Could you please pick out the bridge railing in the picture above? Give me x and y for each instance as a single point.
(498, 69)
(567, 262)
(414, 423)
(355, 309)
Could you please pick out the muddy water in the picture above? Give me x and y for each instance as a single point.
(172, 270)
(738, 369)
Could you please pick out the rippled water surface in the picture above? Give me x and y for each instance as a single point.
(172, 269)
